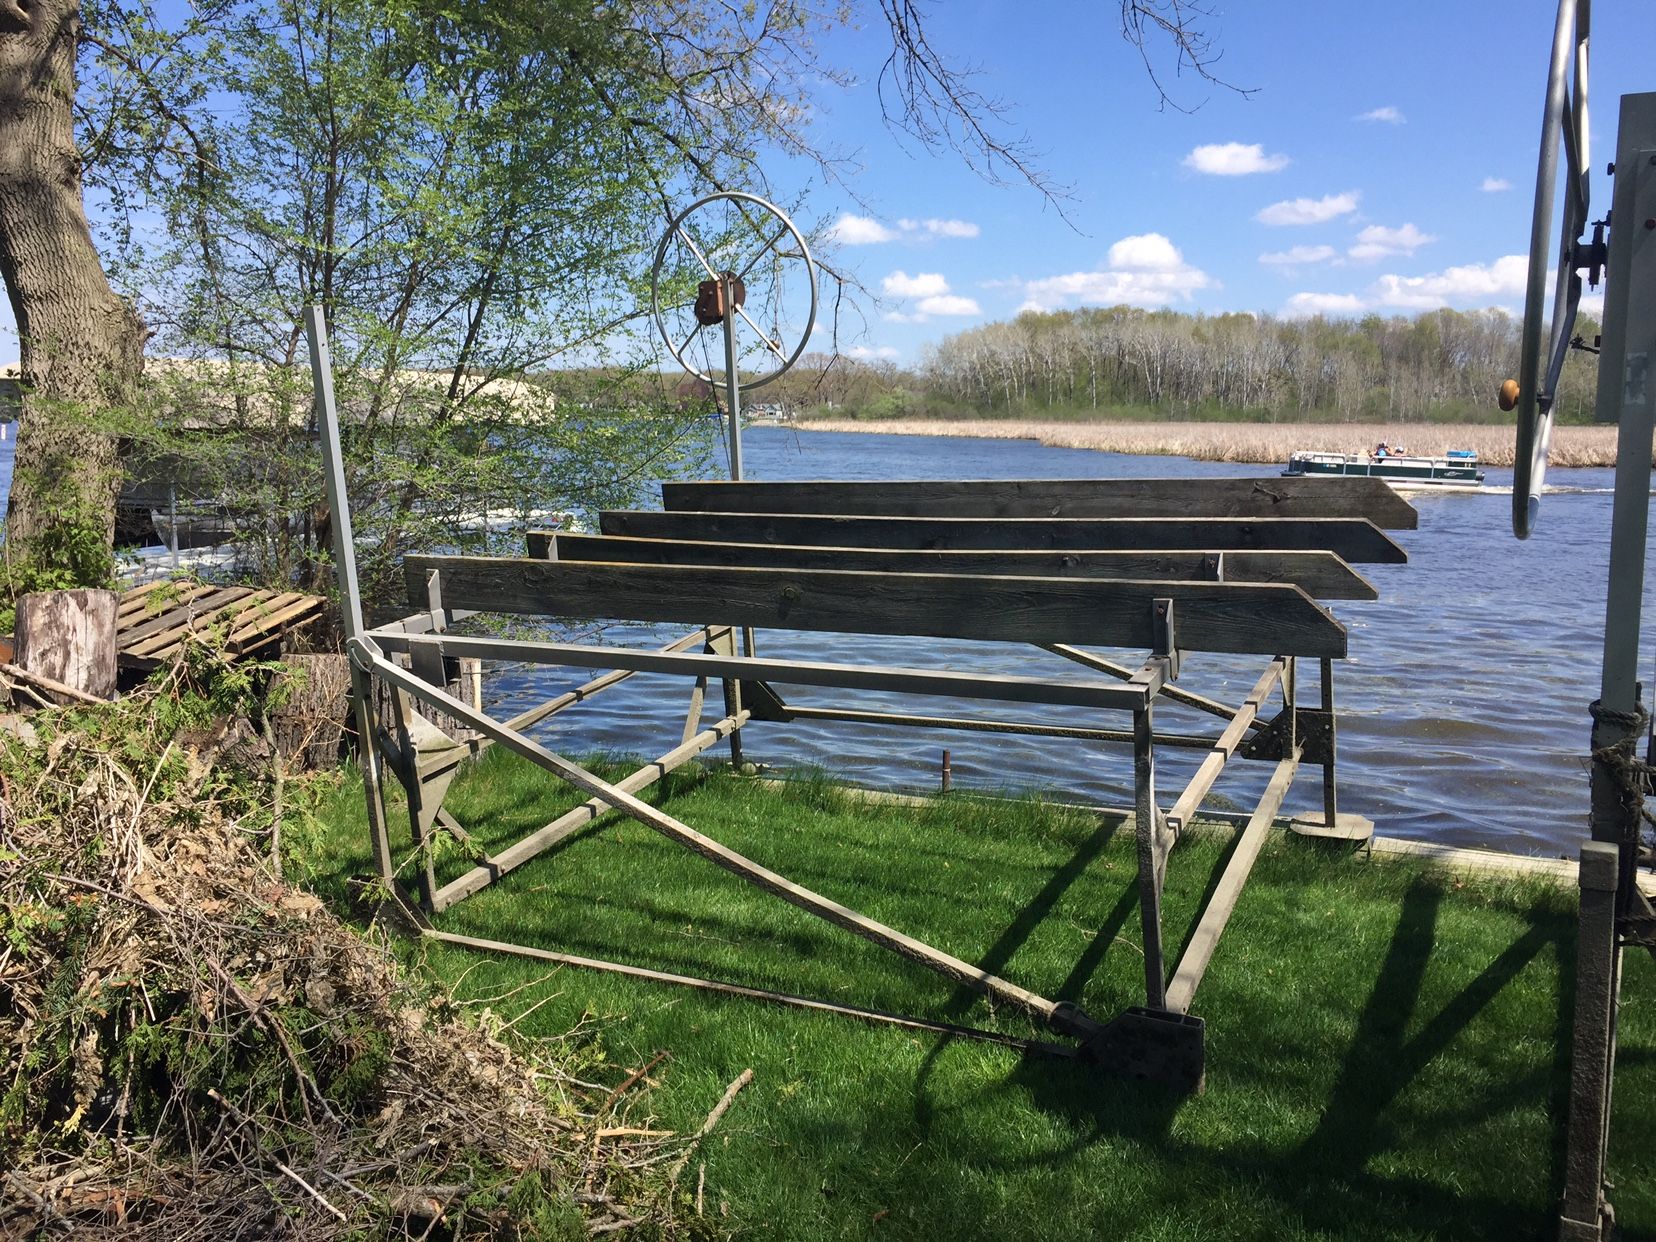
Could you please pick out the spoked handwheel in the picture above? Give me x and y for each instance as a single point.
(738, 260)
(1565, 115)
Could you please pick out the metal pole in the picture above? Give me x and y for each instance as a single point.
(1147, 825)
(728, 284)
(1585, 1216)
(1627, 396)
(172, 517)
(350, 601)
(733, 381)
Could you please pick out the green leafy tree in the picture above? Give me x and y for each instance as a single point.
(464, 186)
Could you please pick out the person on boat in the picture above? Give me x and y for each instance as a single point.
(1380, 450)
(1397, 450)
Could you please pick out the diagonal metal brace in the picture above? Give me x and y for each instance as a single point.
(1061, 1016)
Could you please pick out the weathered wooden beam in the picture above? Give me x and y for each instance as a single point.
(1266, 618)
(1245, 497)
(1199, 952)
(1002, 688)
(1321, 575)
(1354, 539)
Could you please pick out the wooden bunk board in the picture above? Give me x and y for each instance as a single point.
(1321, 575)
(1368, 498)
(1352, 539)
(152, 621)
(1257, 618)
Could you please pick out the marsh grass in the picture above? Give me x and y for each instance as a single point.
(1387, 1043)
(1572, 446)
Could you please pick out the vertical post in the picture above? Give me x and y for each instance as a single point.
(1585, 1216)
(1147, 821)
(733, 381)
(1330, 799)
(1627, 396)
(350, 603)
(172, 518)
(730, 285)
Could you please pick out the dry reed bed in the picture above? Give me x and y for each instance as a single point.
(1253, 442)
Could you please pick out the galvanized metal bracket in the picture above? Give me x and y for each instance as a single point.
(1162, 642)
(763, 703)
(1315, 729)
(1154, 1045)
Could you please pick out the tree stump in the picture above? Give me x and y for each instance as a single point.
(309, 726)
(69, 636)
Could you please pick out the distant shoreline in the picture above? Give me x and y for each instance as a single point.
(1253, 443)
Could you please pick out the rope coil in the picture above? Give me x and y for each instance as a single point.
(1621, 759)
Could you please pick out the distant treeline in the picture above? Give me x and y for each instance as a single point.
(1442, 365)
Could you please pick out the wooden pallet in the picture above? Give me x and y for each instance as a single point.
(153, 621)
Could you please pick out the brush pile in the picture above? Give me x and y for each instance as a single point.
(197, 1050)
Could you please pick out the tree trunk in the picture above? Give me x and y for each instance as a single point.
(82, 345)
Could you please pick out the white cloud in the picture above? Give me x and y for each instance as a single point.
(1378, 242)
(1309, 210)
(865, 353)
(1304, 305)
(1494, 185)
(1388, 114)
(1296, 256)
(1145, 270)
(922, 285)
(1233, 159)
(948, 304)
(951, 228)
(1145, 252)
(1500, 281)
(850, 230)
(894, 316)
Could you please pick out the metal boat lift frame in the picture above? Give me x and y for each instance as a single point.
(1098, 604)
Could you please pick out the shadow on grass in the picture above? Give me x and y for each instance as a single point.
(1340, 1171)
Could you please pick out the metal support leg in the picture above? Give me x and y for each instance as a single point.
(1148, 823)
(1331, 811)
(732, 698)
(1586, 1216)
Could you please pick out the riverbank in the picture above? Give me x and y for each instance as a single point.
(1251, 443)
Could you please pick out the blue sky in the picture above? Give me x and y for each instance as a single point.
(1385, 161)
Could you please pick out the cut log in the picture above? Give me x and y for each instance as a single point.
(69, 637)
(309, 725)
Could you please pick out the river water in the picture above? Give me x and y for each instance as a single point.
(1463, 708)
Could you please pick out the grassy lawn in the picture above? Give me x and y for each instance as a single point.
(1387, 1044)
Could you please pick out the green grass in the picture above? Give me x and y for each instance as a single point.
(1387, 1045)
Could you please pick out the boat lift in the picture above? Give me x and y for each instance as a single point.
(1622, 251)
